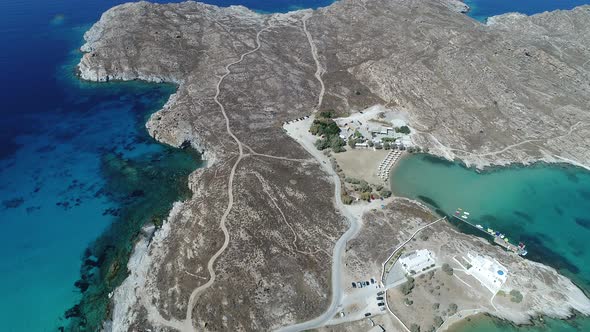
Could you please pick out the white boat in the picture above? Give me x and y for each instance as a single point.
(467, 213)
(464, 217)
(479, 226)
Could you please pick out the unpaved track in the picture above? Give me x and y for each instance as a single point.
(314, 52)
(337, 256)
(188, 325)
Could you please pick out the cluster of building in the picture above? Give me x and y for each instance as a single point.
(375, 133)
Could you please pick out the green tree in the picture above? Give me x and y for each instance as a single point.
(408, 286)
(352, 142)
(447, 269)
(315, 128)
(327, 114)
(364, 187)
(322, 144)
(352, 180)
(324, 127)
(336, 142)
(346, 199)
(403, 130)
(452, 309)
(414, 327)
(385, 193)
(516, 296)
(366, 196)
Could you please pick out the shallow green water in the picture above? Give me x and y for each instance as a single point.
(488, 324)
(545, 206)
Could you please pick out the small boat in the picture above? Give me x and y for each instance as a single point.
(479, 226)
(464, 217)
(502, 236)
(467, 213)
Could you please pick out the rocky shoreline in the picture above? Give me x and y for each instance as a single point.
(190, 44)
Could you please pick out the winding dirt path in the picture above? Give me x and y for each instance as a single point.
(267, 190)
(314, 53)
(188, 325)
(448, 151)
(354, 224)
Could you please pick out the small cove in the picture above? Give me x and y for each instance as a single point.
(544, 205)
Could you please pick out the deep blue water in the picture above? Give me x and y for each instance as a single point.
(77, 169)
(482, 9)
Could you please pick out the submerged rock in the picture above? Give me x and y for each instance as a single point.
(13, 203)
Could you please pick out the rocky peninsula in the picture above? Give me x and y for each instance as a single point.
(252, 249)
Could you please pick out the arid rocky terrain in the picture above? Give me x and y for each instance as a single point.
(252, 249)
(544, 291)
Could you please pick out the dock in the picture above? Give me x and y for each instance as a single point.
(499, 238)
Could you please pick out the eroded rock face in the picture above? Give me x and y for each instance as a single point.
(513, 90)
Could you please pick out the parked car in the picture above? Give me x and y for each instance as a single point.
(372, 280)
(353, 285)
(367, 314)
(380, 304)
(359, 285)
(381, 293)
(380, 298)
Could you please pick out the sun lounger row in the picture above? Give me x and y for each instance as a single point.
(296, 120)
(387, 163)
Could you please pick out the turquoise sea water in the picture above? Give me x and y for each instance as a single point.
(482, 9)
(487, 324)
(78, 173)
(545, 206)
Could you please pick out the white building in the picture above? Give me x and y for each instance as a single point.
(417, 261)
(488, 271)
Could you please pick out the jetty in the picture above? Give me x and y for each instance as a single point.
(385, 166)
(499, 238)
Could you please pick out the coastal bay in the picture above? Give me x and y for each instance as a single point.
(543, 205)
